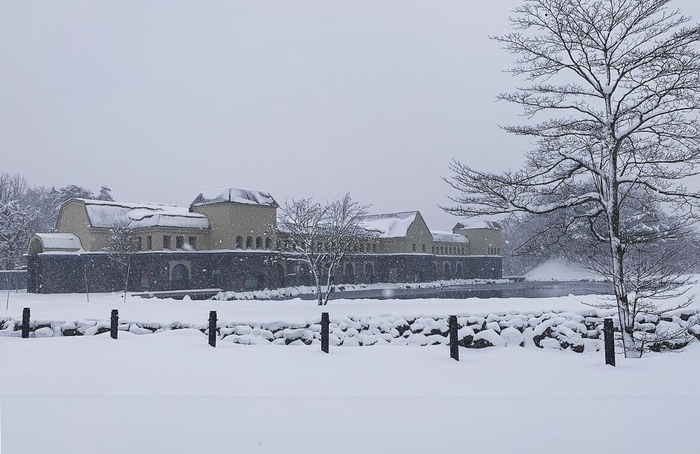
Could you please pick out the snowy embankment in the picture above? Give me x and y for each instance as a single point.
(293, 292)
(482, 323)
(560, 269)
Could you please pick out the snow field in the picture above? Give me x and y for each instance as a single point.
(173, 393)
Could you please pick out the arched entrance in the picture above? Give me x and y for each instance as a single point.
(180, 277)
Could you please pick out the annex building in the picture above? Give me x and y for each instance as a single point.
(228, 239)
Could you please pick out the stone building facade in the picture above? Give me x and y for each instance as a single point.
(228, 239)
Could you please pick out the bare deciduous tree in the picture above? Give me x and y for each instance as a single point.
(322, 235)
(121, 250)
(618, 82)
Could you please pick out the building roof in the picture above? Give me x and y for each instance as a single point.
(448, 237)
(235, 195)
(59, 241)
(103, 213)
(478, 224)
(389, 225)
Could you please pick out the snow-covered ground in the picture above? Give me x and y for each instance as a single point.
(171, 392)
(75, 307)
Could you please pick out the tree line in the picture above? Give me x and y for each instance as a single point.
(25, 210)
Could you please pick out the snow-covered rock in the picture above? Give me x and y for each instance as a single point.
(488, 338)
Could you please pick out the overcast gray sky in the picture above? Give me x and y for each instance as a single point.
(162, 99)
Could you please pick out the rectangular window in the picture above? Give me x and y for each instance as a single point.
(193, 242)
(149, 243)
(166, 241)
(138, 243)
(179, 242)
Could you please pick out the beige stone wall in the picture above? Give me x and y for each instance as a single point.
(229, 220)
(483, 241)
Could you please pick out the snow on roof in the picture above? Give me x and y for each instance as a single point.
(389, 225)
(448, 237)
(478, 224)
(140, 215)
(236, 195)
(62, 241)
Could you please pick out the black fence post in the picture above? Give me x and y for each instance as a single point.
(212, 328)
(454, 342)
(609, 336)
(25, 323)
(114, 324)
(325, 331)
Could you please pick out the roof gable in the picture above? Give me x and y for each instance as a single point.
(390, 225)
(448, 237)
(107, 214)
(477, 224)
(235, 195)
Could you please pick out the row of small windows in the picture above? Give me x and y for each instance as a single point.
(288, 246)
(448, 250)
(414, 248)
(249, 242)
(179, 243)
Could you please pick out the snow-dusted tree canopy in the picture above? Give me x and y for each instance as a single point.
(25, 210)
(617, 83)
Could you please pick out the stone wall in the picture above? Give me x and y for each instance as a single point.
(575, 331)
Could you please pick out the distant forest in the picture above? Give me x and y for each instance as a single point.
(25, 210)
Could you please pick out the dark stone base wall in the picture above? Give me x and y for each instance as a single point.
(239, 271)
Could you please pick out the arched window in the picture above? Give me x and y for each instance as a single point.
(249, 242)
(268, 243)
(374, 248)
(447, 270)
(258, 243)
(180, 277)
(349, 273)
(239, 242)
(460, 270)
(413, 247)
(422, 248)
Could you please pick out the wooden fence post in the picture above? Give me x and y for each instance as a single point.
(114, 324)
(454, 341)
(25, 323)
(325, 331)
(212, 328)
(609, 337)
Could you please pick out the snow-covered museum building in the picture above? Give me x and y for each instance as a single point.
(228, 239)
